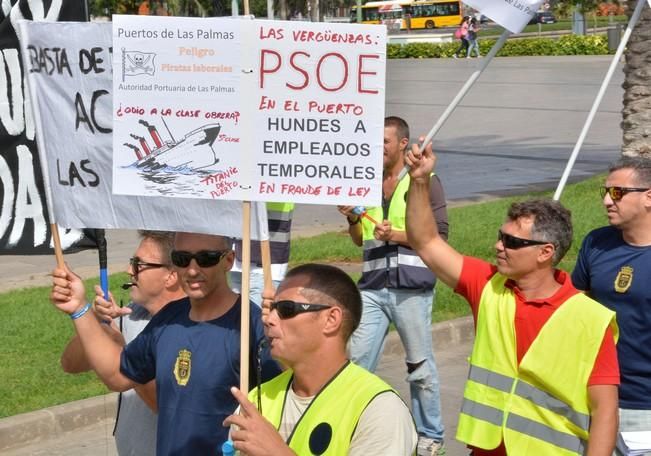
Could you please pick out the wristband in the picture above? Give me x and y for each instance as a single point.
(81, 312)
(353, 223)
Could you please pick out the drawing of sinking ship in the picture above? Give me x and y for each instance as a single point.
(194, 151)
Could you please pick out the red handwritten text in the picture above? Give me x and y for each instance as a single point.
(235, 115)
(275, 33)
(271, 62)
(219, 176)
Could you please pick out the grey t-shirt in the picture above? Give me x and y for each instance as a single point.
(135, 431)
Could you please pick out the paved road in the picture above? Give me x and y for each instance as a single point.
(96, 440)
(513, 132)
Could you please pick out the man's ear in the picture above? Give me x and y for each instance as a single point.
(172, 279)
(546, 253)
(647, 200)
(404, 143)
(334, 320)
(229, 260)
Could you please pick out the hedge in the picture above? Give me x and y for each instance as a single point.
(565, 45)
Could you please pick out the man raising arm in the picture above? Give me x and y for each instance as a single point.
(153, 284)
(543, 371)
(191, 346)
(397, 287)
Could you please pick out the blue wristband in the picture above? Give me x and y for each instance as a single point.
(81, 312)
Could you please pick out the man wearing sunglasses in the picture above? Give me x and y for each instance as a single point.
(543, 371)
(323, 404)
(397, 287)
(153, 285)
(190, 347)
(614, 267)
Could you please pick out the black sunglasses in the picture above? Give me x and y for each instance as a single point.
(138, 265)
(617, 193)
(204, 258)
(514, 243)
(289, 309)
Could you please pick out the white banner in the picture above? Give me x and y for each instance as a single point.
(513, 15)
(69, 66)
(224, 108)
(177, 107)
(319, 118)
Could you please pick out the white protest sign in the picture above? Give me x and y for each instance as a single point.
(177, 107)
(319, 121)
(69, 70)
(226, 108)
(513, 15)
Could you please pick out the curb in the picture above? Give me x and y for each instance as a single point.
(444, 333)
(52, 422)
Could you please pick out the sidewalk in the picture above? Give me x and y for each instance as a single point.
(85, 427)
(518, 123)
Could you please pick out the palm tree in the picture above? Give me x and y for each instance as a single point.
(636, 122)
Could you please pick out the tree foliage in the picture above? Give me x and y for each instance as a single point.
(190, 8)
(565, 7)
(213, 8)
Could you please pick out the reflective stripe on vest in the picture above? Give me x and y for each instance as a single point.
(278, 271)
(284, 216)
(373, 243)
(388, 264)
(411, 260)
(340, 404)
(276, 236)
(518, 423)
(482, 412)
(544, 433)
(380, 264)
(549, 402)
(393, 262)
(537, 396)
(493, 379)
(279, 220)
(504, 401)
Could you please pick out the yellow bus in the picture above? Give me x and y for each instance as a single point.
(370, 13)
(425, 14)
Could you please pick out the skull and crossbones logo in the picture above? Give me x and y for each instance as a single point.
(139, 61)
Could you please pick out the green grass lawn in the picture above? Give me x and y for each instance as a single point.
(33, 334)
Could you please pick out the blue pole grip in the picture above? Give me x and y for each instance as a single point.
(228, 449)
(103, 282)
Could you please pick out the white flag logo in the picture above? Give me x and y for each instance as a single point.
(136, 62)
(513, 15)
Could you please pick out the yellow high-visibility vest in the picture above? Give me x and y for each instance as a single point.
(279, 222)
(333, 412)
(389, 264)
(540, 407)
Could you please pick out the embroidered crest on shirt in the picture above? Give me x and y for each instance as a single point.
(182, 367)
(624, 279)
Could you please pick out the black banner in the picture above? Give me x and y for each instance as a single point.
(24, 222)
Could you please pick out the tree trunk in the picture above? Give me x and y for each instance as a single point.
(283, 10)
(313, 6)
(636, 122)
